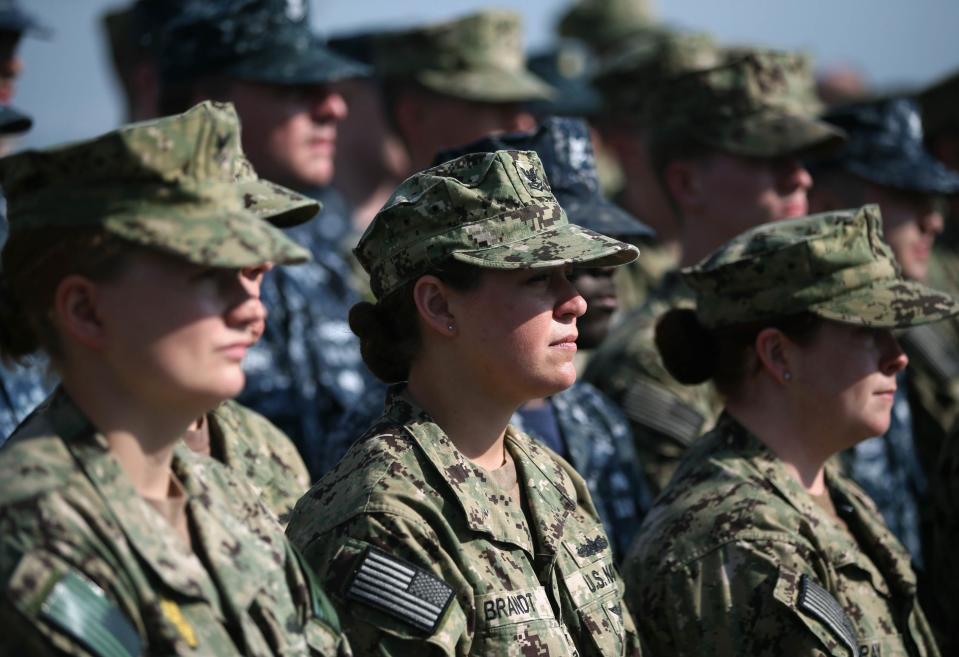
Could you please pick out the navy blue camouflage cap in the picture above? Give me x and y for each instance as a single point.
(13, 121)
(14, 18)
(565, 149)
(254, 40)
(885, 146)
(568, 68)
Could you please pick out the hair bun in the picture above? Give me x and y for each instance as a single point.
(688, 349)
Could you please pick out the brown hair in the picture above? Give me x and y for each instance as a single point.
(34, 263)
(389, 329)
(694, 354)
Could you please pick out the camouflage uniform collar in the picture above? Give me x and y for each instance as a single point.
(471, 485)
(148, 533)
(832, 539)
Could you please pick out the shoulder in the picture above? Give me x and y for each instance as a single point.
(718, 497)
(378, 473)
(34, 461)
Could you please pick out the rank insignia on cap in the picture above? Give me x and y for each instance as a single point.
(820, 604)
(400, 589)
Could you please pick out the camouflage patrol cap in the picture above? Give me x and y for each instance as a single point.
(755, 104)
(627, 80)
(178, 184)
(255, 40)
(604, 24)
(491, 210)
(476, 58)
(834, 265)
(564, 147)
(940, 105)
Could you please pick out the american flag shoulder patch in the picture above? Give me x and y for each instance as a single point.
(400, 589)
(818, 602)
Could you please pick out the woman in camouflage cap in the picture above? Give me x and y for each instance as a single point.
(134, 262)
(443, 530)
(758, 546)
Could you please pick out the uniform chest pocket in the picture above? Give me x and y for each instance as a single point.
(595, 591)
(519, 622)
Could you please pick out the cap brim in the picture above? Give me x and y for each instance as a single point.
(17, 20)
(276, 204)
(601, 216)
(563, 245)
(778, 134)
(891, 305)
(315, 65)
(491, 86)
(922, 174)
(235, 240)
(13, 122)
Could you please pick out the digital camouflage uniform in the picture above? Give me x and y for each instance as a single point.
(306, 370)
(535, 582)
(943, 556)
(90, 568)
(479, 573)
(261, 454)
(87, 565)
(599, 446)
(754, 105)
(736, 558)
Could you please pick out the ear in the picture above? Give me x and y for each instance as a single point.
(76, 312)
(682, 181)
(431, 296)
(774, 351)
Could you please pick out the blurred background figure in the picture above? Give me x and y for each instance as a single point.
(605, 25)
(726, 144)
(840, 84)
(626, 82)
(262, 56)
(448, 83)
(15, 22)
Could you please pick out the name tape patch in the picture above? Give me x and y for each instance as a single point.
(400, 589)
(819, 603)
(509, 607)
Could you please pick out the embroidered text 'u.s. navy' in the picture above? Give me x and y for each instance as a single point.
(818, 602)
(400, 589)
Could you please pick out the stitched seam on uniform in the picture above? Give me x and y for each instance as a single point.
(777, 537)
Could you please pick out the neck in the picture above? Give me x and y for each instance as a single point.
(475, 422)
(141, 437)
(792, 439)
(698, 240)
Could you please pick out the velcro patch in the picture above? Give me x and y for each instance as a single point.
(400, 589)
(820, 604)
(661, 410)
(509, 607)
(81, 609)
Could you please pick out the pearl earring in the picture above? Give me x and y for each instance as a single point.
(787, 376)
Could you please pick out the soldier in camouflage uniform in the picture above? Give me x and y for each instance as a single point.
(884, 162)
(261, 55)
(579, 423)
(606, 26)
(727, 142)
(461, 535)
(625, 82)
(116, 539)
(446, 84)
(757, 547)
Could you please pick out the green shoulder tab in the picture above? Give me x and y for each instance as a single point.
(81, 609)
(322, 607)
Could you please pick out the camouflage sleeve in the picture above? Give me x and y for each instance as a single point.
(740, 600)
(50, 606)
(431, 617)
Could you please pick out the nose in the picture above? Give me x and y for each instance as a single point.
(251, 278)
(571, 303)
(792, 175)
(329, 105)
(893, 358)
(518, 120)
(931, 222)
